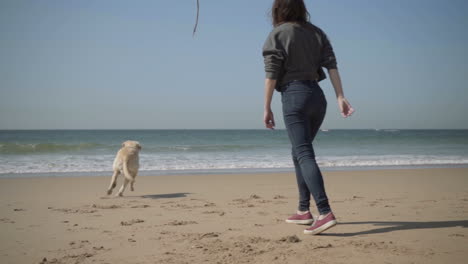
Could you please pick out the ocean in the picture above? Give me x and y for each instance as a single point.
(91, 152)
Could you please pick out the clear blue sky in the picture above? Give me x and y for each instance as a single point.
(134, 64)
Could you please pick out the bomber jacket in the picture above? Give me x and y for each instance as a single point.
(295, 51)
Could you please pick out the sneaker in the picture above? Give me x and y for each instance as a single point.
(321, 225)
(301, 219)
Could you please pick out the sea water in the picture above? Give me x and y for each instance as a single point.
(91, 152)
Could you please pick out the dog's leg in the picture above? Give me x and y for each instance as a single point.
(131, 186)
(120, 193)
(113, 182)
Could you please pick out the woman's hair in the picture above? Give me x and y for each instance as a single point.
(289, 11)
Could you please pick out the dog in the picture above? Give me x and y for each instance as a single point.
(127, 163)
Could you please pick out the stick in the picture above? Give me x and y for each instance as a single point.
(196, 21)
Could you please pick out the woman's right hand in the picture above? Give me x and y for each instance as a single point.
(345, 107)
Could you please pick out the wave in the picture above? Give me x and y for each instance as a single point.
(213, 161)
(391, 160)
(49, 148)
(204, 148)
(38, 148)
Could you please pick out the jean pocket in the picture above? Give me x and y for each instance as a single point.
(296, 101)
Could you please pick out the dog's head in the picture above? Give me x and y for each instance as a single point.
(131, 144)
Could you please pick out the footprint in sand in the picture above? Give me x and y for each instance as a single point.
(112, 206)
(220, 213)
(72, 258)
(74, 211)
(179, 223)
(257, 240)
(324, 246)
(242, 202)
(140, 206)
(99, 248)
(209, 235)
(6, 220)
(131, 222)
(79, 244)
(45, 261)
(290, 239)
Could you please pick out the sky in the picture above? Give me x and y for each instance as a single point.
(115, 64)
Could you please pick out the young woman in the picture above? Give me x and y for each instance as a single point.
(294, 53)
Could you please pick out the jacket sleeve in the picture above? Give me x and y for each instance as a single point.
(274, 56)
(327, 57)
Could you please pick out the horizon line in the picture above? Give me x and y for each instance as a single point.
(129, 129)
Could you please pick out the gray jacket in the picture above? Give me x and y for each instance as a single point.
(297, 52)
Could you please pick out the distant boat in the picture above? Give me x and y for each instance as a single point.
(324, 130)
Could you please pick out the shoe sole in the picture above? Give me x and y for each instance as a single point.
(321, 229)
(300, 222)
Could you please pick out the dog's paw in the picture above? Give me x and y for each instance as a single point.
(109, 192)
(119, 194)
(132, 189)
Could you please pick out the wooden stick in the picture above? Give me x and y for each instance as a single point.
(196, 21)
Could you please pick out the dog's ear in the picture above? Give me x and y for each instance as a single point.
(139, 146)
(123, 144)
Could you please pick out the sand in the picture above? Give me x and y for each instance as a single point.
(385, 216)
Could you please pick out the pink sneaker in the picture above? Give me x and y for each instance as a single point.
(321, 225)
(305, 219)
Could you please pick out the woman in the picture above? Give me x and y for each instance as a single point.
(294, 53)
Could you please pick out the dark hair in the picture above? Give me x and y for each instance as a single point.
(289, 11)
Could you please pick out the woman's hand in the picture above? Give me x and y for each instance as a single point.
(268, 119)
(345, 108)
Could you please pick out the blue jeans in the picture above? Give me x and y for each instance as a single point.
(304, 107)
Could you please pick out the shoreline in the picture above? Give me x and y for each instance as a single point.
(394, 216)
(226, 171)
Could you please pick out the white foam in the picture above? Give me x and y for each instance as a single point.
(208, 161)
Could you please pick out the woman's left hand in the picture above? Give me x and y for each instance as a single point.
(268, 119)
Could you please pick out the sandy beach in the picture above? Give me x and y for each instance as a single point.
(385, 216)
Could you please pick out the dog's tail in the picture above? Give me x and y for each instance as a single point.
(126, 173)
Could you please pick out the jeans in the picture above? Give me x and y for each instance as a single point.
(304, 108)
